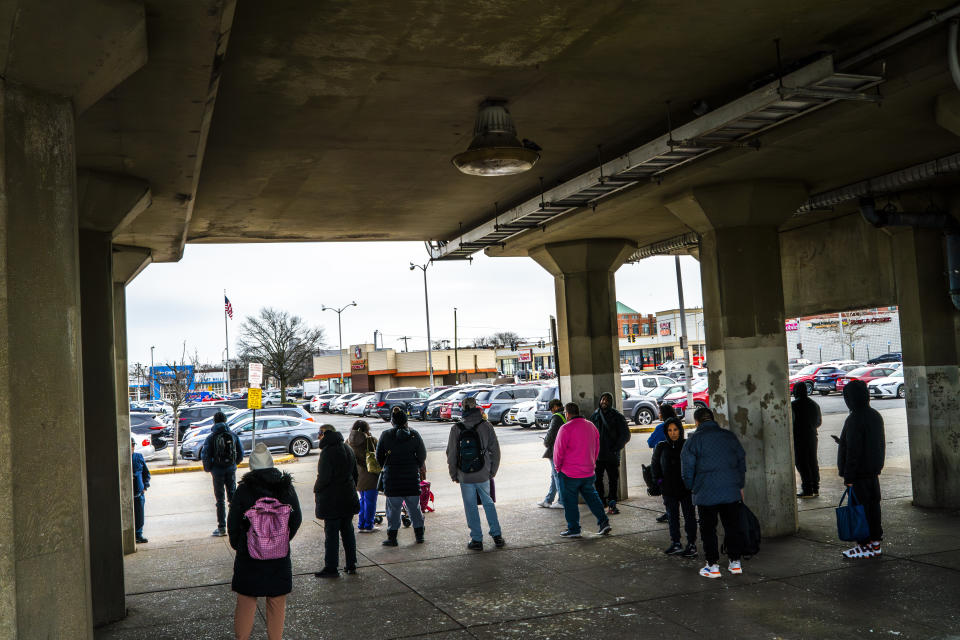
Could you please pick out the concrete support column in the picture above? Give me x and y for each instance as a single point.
(44, 555)
(121, 379)
(744, 326)
(930, 333)
(588, 341)
(100, 430)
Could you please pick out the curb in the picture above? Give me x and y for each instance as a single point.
(199, 467)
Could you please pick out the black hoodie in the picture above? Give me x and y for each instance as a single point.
(862, 442)
(401, 453)
(665, 466)
(614, 432)
(261, 578)
(335, 490)
(806, 415)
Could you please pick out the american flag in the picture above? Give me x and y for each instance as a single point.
(228, 307)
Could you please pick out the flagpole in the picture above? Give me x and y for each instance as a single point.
(226, 337)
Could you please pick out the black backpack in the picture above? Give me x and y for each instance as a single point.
(224, 449)
(749, 533)
(470, 453)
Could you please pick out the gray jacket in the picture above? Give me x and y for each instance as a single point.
(473, 419)
(713, 465)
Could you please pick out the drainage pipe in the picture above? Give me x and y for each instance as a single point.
(935, 19)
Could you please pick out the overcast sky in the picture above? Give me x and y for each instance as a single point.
(168, 304)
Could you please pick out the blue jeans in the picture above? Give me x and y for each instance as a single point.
(554, 490)
(368, 508)
(569, 488)
(394, 504)
(138, 502)
(470, 491)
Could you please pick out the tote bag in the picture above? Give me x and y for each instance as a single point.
(851, 518)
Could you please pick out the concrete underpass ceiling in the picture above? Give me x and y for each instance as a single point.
(337, 121)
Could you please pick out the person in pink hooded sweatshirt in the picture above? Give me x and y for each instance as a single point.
(575, 457)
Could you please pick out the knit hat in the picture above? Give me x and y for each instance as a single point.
(260, 458)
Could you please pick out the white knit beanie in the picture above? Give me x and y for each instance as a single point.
(260, 458)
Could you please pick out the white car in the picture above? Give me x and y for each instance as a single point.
(143, 446)
(890, 387)
(340, 404)
(322, 402)
(523, 414)
(357, 405)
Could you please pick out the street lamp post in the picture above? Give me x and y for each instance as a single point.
(426, 301)
(150, 377)
(339, 334)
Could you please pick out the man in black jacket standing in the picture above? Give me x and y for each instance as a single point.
(806, 421)
(556, 421)
(860, 460)
(337, 502)
(614, 435)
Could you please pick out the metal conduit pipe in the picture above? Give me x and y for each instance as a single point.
(927, 220)
(934, 20)
(883, 184)
(669, 245)
(952, 52)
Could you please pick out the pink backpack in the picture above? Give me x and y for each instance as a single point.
(269, 535)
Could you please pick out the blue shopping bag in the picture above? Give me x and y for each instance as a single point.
(851, 518)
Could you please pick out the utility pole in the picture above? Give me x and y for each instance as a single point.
(456, 359)
(426, 301)
(150, 377)
(404, 338)
(688, 384)
(339, 334)
(375, 332)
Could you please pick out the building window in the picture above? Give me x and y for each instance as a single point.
(626, 329)
(646, 329)
(636, 328)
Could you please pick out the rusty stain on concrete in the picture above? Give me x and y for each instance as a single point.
(749, 384)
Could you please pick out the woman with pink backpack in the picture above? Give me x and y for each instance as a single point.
(264, 516)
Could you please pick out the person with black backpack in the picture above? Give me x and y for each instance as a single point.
(402, 455)
(221, 453)
(473, 458)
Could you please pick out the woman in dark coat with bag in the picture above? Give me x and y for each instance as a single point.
(402, 455)
(336, 494)
(665, 468)
(363, 443)
(252, 578)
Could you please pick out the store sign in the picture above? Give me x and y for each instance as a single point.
(357, 353)
(358, 364)
(665, 329)
(791, 325)
(525, 356)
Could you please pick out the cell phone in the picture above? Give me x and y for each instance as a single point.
(835, 438)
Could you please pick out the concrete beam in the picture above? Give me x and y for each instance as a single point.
(109, 202)
(121, 378)
(128, 262)
(97, 45)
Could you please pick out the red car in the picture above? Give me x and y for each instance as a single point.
(445, 410)
(807, 376)
(865, 375)
(701, 398)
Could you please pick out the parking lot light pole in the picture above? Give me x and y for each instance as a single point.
(150, 377)
(426, 301)
(339, 334)
(687, 370)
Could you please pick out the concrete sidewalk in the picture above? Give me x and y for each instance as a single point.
(543, 586)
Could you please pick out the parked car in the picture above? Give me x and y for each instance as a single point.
(808, 374)
(798, 362)
(671, 365)
(543, 404)
(270, 398)
(357, 405)
(385, 401)
(203, 430)
(890, 387)
(658, 394)
(826, 379)
(280, 433)
(192, 415)
(864, 374)
(144, 424)
(701, 398)
(429, 408)
(143, 445)
(639, 408)
(321, 403)
(895, 356)
(644, 383)
(446, 409)
(456, 411)
(523, 414)
(342, 402)
(498, 401)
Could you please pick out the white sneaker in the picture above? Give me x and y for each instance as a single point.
(735, 567)
(856, 552)
(556, 505)
(710, 571)
(543, 504)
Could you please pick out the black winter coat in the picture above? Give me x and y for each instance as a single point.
(401, 453)
(862, 442)
(261, 578)
(556, 421)
(665, 467)
(806, 418)
(614, 433)
(336, 487)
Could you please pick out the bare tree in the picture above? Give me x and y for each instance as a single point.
(175, 380)
(283, 343)
(498, 340)
(848, 333)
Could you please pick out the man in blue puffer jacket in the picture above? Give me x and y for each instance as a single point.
(713, 465)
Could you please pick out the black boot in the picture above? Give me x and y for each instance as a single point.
(391, 540)
(418, 532)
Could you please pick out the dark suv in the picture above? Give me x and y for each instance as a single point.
(190, 416)
(420, 409)
(896, 356)
(546, 394)
(497, 402)
(385, 401)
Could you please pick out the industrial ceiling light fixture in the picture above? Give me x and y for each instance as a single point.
(495, 149)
